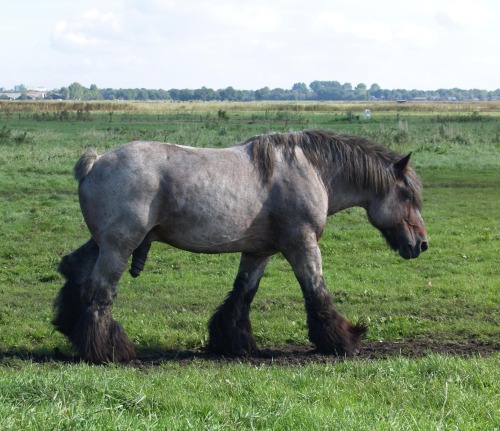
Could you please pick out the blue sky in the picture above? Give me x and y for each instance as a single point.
(250, 44)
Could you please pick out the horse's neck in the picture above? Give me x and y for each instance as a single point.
(342, 195)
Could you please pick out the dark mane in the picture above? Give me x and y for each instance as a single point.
(364, 163)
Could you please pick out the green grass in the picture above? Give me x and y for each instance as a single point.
(449, 294)
(435, 392)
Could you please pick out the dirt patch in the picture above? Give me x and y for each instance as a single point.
(280, 355)
(301, 355)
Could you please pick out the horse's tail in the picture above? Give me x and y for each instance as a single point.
(84, 164)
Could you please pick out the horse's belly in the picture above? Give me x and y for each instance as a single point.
(246, 245)
(207, 238)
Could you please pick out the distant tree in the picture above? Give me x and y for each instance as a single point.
(75, 91)
(326, 90)
(24, 93)
(65, 93)
(479, 94)
(92, 93)
(347, 92)
(280, 94)
(317, 90)
(157, 94)
(163, 95)
(418, 93)
(230, 94)
(186, 94)
(301, 91)
(205, 94)
(262, 93)
(400, 94)
(142, 94)
(127, 93)
(108, 94)
(247, 95)
(174, 93)
(374, 91)
(361, 92)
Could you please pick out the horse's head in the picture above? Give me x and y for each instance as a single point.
(396, 213)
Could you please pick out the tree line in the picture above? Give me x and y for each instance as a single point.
(315, 91)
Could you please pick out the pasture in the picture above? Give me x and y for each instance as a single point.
(431, 355)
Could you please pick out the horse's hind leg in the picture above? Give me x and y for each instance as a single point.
(75, 267)
(229, 328)
(97, 336)
(328, 329)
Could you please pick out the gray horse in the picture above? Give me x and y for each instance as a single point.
(270, 194)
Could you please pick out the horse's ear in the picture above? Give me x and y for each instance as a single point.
(401, 165)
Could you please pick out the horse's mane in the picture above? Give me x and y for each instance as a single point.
(364, 163)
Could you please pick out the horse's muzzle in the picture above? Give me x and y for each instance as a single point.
(410, 251)
(404, 245)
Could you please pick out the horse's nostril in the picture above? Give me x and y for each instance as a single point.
(424, 245)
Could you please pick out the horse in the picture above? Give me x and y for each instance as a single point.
(270, 194)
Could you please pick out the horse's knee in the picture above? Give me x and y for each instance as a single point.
(79, 263)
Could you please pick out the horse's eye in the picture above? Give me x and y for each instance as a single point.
(407, 197)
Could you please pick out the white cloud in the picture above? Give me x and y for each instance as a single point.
(93, 29)
(415, 35)
(253, 17)
(152, 6)
(339, 24)
(217, 43)
(66, 37)
(464, 15)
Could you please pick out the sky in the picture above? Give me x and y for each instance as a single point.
(250, 44)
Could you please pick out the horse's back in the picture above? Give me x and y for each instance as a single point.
(193, 198)
(140, 165)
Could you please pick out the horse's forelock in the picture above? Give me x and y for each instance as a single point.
(412, 180)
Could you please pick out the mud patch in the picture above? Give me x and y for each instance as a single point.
(278, 355)
(306, 354)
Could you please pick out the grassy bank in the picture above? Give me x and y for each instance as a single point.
(429, 393)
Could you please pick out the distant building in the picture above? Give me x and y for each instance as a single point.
(39, 89)
(33, 93)
(11, 95)
(36, 94)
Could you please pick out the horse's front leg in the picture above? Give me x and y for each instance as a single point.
(328, 330)
(230, 331)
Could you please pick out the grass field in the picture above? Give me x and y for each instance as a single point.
(444, 305)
